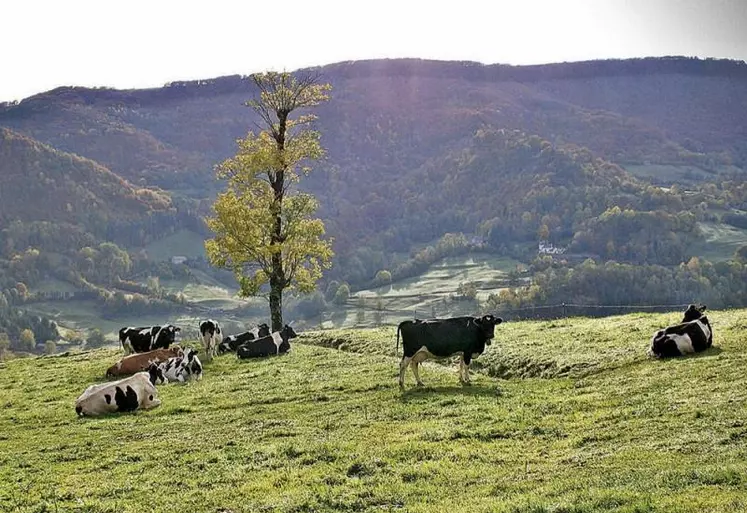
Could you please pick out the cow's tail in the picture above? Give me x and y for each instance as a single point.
(396, 348)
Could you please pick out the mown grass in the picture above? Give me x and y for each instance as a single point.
(721, 241)
(182, 243)
(322, 429)
(432, 290)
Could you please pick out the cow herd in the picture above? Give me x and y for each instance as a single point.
(150, 359)
(468, 336)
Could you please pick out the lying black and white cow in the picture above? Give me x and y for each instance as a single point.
(129, 394)
(141, 340)
(232, 343)
(182, 368)
(277, 343)
(211, 336)
(692, 335)
(467, 336)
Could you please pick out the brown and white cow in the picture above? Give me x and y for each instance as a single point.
(139, 362)
(128, 394)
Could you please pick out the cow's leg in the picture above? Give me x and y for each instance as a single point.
(207, 344)
(421, 355)
(210, 353)
(466, 360)
(402, 368)
(414, 365)
(461, 370)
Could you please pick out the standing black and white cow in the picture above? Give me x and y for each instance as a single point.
(232, 342)
(692, 335)
(141, 340)
(211, 336)
(277, 343)
(467, 336)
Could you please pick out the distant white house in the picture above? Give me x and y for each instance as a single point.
(478, 241)
(178, 259)
(547, 248)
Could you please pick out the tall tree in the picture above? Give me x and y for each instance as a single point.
(264, 231)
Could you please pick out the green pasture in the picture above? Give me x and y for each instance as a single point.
(562, 416)
(182, 243)
(721, 241)
(421, 294)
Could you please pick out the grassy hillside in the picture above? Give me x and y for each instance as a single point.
(327, 430)
(181, 243)
(721, 241)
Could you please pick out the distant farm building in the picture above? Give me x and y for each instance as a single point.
(547, 248)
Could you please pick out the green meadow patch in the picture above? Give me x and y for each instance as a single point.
(562, 416)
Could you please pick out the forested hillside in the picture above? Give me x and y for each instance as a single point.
(68, 218)
(40, 183)
(621, 161)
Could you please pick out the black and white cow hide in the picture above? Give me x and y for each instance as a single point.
(422, 339)
(211, 337)
(693, 335)
(232, 342)
(141, 340)
(277, 343)
(129, 394)
(182, 368)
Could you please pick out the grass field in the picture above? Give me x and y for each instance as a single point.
(182, 243)
(563, 416)
(721, 241)
(667, 173)
(418, 295)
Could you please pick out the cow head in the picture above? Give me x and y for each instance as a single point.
(288, 332)
(192, 363)
(166, 336)
(487, 324)
(225, 346)
(694, 313)
(264, 330)
(150, 401)
(176, 351)
(155, 375)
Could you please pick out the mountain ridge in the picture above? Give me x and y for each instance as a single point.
(389, 120)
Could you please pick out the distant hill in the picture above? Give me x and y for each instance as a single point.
(413, 150)
(661, 110)
(40, 183)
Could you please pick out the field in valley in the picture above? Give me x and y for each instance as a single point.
(721, 241)
(563, 416)
(432, 291)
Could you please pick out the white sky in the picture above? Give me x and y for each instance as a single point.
(146, 43)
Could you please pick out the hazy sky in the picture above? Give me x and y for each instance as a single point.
(146, 43)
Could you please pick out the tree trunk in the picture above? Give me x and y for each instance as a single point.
(277, 278)
(276, 301)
